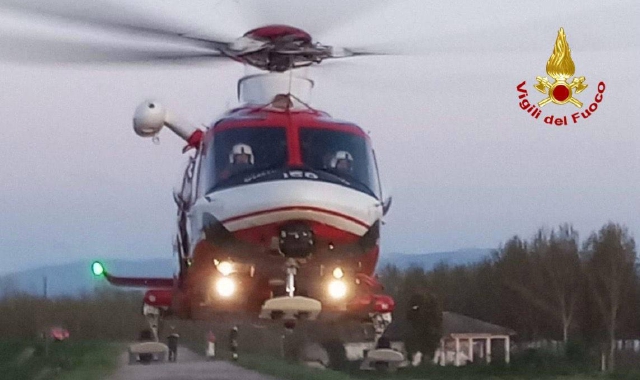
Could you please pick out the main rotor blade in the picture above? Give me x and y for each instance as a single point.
(339, 52)
(430, 28)
(32, 49)
(109, 17)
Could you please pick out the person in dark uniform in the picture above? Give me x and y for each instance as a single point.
(172, 342)
(233, 342)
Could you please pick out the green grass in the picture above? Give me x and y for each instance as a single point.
(95, 361)
(289, 371)
(531, 367)
(467, 374)
(69, 360)
(483, 372)
(283, 369)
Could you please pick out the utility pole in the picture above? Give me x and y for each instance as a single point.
(45, 333)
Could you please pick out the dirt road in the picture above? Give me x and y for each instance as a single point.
(190, 366)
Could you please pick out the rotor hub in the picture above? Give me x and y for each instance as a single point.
(276, 32)
(278, 48)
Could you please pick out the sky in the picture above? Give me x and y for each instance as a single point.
(466, 166)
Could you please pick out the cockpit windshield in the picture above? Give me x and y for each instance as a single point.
(241, 151)
(343, 154)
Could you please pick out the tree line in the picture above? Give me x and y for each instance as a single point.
(104, 314)
(551, 286)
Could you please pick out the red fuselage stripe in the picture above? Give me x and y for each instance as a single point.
(293, 136)
(304, 208)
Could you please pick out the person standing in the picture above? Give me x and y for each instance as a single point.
(211, 345)
(172, 342)
(233, 342)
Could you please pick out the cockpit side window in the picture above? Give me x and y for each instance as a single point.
(343, 154)
(240, 151)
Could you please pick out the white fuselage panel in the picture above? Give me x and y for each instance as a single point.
(257, 204)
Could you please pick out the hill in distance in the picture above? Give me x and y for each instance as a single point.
(75, 278)
(430, 260)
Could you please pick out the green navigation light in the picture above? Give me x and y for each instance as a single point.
(97, 268)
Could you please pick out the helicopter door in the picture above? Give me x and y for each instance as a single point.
(183, 196)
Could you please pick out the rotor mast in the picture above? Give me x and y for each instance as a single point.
(259, 89)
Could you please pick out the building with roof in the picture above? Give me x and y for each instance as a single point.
(466, 340)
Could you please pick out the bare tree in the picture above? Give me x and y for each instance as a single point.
(553, 275)
(8, 287)
(559, 263)
(391, 278)
(519, 277)
(610, 258)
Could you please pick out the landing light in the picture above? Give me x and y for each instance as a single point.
(337, 289)
(97, 268)
(225, 287)
(338, 273)
(225, 268)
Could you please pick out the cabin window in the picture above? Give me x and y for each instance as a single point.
(237, 152)
(343, 154)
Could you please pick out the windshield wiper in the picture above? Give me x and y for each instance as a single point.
(345, 176)
(246, 173)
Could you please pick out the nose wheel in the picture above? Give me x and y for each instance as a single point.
(292, 270)
(152, 315)
(380, 323)
(291, 308)
(382, 357)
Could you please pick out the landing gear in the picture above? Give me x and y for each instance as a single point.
(380, 323)
(291, 307)
(382, 357)
(152, 315)
(292, 270)
(150, 349)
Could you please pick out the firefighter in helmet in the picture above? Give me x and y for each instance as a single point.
(342, 162)
(240, 159)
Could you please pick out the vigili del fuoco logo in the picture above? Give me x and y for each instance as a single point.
(559, 90)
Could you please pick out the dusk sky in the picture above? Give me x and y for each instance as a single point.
(466, 166)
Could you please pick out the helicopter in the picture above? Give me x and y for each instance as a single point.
(280, 205)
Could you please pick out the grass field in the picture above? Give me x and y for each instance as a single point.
(529, 367)
(69, 360)
(289, 371)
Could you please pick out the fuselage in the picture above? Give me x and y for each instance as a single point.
(280, 206)
(293, 200)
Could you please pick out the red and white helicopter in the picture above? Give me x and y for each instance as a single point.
(281, 205)
(280, 208)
